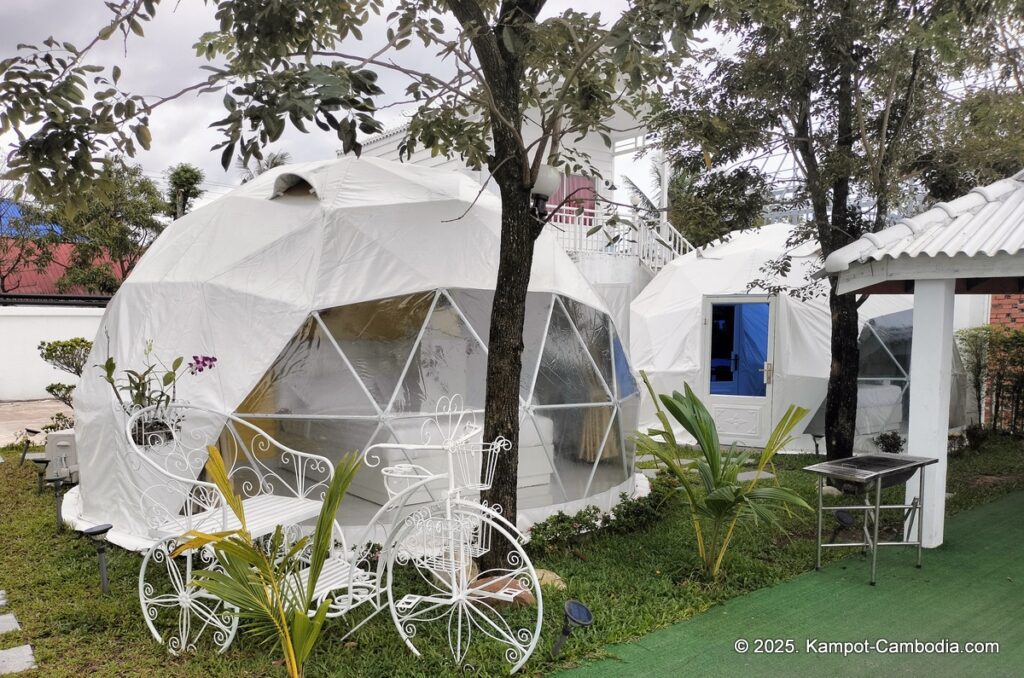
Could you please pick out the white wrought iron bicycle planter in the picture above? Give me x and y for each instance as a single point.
(421, 567)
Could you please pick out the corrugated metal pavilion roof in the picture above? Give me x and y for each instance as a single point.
(988, 221)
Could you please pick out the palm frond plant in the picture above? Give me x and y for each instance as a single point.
(261, 580)
(717, 501)
(261, 165)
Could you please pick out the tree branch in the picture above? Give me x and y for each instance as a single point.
(483, 186)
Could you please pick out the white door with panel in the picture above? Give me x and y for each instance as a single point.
(739, 344)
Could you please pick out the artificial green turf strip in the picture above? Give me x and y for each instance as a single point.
(969, 589)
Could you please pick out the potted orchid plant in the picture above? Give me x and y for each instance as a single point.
(154, 385)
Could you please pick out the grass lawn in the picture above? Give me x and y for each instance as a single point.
(634, 583)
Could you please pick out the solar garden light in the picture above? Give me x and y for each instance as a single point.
(844, 520)
(41, 465)
(58, 493)
(29, 432)
(576, 614)
(98, 536)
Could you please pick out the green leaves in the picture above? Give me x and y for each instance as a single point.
(261, 580)
(46, 90)
(144, 136)
(717, 501)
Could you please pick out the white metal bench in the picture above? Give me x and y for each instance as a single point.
(278, 485)
(433, 545)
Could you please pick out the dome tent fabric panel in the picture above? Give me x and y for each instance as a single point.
(667, 319)
(240, 278)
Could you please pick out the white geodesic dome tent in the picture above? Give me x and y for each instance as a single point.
(884, 376)
(750, 354)
(342, 299)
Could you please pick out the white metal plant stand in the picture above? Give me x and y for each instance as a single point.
(419, 563)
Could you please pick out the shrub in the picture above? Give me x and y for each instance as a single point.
(890, 442)
(59, 422)
(629, 515)
(67, 355)
(976, 435)
(62, 392)
(562, 528)
(956, 443)
(718, 502)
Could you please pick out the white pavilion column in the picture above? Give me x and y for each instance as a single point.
(930, 374)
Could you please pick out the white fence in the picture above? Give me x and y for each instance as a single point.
(587, 231)
(23, 374)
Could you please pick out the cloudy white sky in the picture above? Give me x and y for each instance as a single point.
(164, 61)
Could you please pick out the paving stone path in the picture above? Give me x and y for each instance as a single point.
(15, 659)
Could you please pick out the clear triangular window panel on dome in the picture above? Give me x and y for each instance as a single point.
(378, 337)
(625, 383)
(447, 360)
(577, 438)
(567, 373)
(309, 377)
(476, 307)
(610, 465)
(594, 328)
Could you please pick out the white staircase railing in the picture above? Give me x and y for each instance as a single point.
(587, 231)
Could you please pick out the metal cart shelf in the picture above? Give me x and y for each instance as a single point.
(865, 476)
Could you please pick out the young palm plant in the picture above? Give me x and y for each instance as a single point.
(717, 501)
(262, 580)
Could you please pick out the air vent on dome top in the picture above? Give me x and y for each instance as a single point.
(293, 185)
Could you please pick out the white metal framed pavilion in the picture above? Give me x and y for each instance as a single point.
(971, 245)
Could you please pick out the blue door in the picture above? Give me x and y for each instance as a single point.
(738, 366)
(739, 349)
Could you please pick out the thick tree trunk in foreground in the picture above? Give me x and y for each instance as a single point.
(502, 69)
(841, 400)
(505, 352)
(519, 231)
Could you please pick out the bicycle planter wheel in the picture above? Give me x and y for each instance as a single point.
(177, 612)
(431, 577)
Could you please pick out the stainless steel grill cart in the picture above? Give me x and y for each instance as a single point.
(865, 476)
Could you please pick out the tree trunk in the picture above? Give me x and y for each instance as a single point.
(505, 351)
(502, 69)
(841, 400)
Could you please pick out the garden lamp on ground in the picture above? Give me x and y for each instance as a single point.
(98, 536)
(29, 433)
(844, 520)
(576, 614)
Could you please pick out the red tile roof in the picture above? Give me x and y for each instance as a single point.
(34, 281)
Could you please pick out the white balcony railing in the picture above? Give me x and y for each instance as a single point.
(591, 231)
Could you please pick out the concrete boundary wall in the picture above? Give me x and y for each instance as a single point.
(23, 374)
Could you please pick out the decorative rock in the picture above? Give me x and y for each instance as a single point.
(548, 578)
(8, 623)
(830, 491)
(747, 476)
(17, 659)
